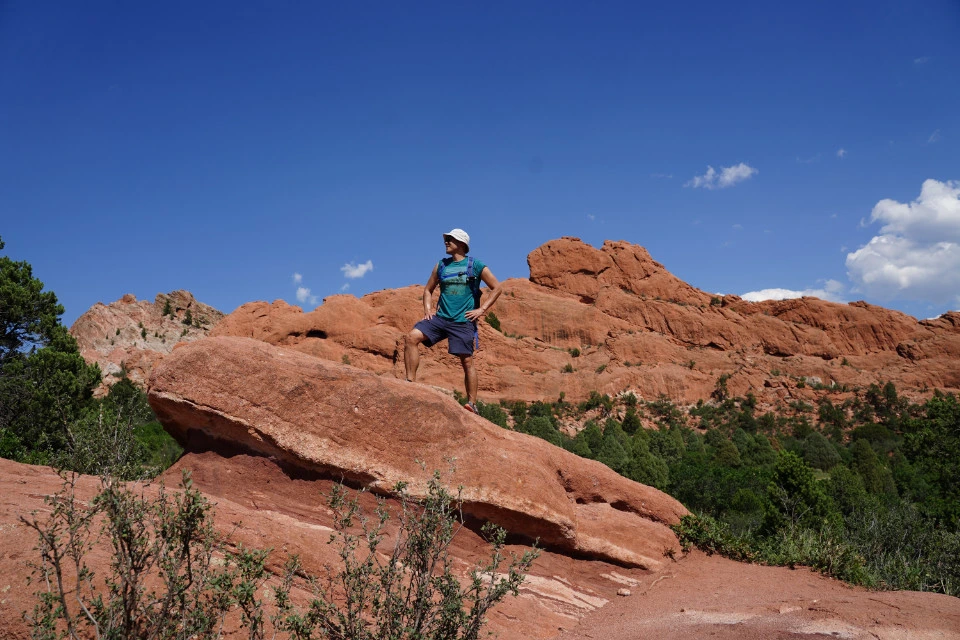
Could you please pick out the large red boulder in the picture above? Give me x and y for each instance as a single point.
(316, 415)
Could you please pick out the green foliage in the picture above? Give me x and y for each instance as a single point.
(597, 401)
(171, 575)
(568, 368)
(493, 321)
(47, 411)
(574, 352)
(408, 591)
(188, 317)
(819, 453)
(882, 509)
(29, 316)
(796, 497)
(720, 391)
(709, 535)
(492, 412)
(631, 421)
(167, 309)
(163, 572)
(601, 368)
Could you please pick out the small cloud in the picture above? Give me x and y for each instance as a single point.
(297, 278)
(590, 216)
(661, 176)
(345, 287)
(810, 160)
(841, 153)
(738, 226)
(934, 137)
(831, 291)
(921, 60)
(726, 177)
(304, 295)
(353, 271)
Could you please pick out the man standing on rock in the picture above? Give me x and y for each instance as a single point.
(457, 313)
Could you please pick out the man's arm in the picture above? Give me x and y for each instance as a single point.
(487, 277)
(432, 283)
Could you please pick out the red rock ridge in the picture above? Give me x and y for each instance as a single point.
(131, 335)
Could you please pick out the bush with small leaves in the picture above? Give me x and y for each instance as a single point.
(408, 591)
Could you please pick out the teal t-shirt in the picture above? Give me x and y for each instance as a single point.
(456, 296)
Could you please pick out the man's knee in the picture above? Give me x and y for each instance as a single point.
(467, 362)
(413, 338)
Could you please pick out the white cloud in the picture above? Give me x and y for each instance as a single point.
(353, 271)
(304, 295)
(841, 152)
(916, 255)
(934, 137)
(297, 278)
(727, 177)
(659, 176)
(590, 216)
(831, 291)
(921, 60)
(345, 287)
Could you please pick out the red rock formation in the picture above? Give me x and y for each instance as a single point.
(316, 415)
(258, 505)
(637, 327)
(130, 335)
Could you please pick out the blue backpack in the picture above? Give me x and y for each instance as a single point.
(472, 280)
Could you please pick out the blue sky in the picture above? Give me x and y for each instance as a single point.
(244, 151)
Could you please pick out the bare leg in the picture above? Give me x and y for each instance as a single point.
(469, 377)
(411, 353)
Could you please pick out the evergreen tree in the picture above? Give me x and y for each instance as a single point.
(45, 385)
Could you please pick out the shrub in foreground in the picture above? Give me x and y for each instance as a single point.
(171, 575)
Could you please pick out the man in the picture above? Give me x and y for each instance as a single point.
(457, 313)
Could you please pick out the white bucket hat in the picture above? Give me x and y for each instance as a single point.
(460, 235)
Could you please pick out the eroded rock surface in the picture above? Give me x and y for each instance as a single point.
(315, 415)
(621, 322)
(129, 336)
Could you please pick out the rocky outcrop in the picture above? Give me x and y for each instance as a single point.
(311, 414)
(129, 336)
(613, 319)
(258, 505)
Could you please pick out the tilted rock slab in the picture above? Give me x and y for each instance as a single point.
(316, 415)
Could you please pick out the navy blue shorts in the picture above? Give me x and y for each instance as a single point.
(461, 336)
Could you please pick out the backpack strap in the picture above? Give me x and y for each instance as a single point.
(473, 280)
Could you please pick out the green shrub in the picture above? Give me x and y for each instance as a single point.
(492, 412)
(710, 536)
(493, 321)
(163, 579)
(574, 352)
(171, 575)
